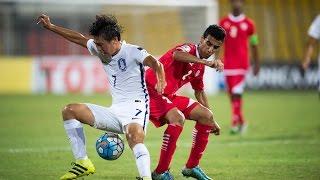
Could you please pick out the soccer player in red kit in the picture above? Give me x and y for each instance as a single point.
(240, 31)
(183, 64)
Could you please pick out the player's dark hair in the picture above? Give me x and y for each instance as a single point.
(106, 26)
(215, 31)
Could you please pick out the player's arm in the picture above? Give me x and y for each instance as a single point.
(188, 58)
(308, 52)
(68, 34)
(255, 55)
(157, 67)
(201, 98)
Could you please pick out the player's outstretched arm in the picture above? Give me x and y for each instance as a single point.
(68, 34)
(158, 69)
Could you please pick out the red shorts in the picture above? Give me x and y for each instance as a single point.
(235, 84)
(160, 105)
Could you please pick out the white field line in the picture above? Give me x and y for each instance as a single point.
(158, 144)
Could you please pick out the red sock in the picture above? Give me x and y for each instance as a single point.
(237, 111)
(168, 148)
(200, 136)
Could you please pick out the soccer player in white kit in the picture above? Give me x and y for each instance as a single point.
(129, 112)
(314, 38)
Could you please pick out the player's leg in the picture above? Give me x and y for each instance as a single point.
(134, 122)
(73, 117)
(205, 124)
(235, 85)
(163, 111)
(94, 115)
(135, 136)
(234, 118)
(237, 101)
(175, 121)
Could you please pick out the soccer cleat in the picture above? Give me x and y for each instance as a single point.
(80, 168)
(163, 176)
(196, 173)
(234, 130)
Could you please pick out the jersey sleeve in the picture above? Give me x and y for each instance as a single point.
(314, 30)
(185, 48)
(252, 28)
(139, 54)
(92, 48)
(197, 83)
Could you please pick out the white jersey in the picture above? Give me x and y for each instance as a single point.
(125, 71)
(314, 31)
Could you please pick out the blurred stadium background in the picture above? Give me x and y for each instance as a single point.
(40, 72)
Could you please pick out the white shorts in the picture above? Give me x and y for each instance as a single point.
(117, 116)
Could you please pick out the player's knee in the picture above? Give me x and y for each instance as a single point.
(68, 112)
(207, 118)
(236, 96)
(177, 118)
(134, 138)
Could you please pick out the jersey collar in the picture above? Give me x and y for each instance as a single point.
(239, 18)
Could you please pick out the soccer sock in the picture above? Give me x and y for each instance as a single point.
(200, 136)
(142, 155)
(168, 148)
(75, 133)
(239, 110)
(236, 111)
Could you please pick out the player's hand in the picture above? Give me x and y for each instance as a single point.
(217, 64)
(161, 84)
(216, 129)
(209, 63)
(256, 69)
(45, 21)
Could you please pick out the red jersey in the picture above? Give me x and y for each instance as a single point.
(178, 73)
(238, 31)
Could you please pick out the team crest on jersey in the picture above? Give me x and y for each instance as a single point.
(122, 64)
(244, 26)
(185, 48)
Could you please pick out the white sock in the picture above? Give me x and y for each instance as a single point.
(142, 156)
(74, 130)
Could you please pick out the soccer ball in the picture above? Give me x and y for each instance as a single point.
(110, 146)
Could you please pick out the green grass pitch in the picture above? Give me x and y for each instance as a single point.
(282, 142)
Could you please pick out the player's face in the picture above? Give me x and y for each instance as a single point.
(208, 46)
(236, 4)
(106, 47)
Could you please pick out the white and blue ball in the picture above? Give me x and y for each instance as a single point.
(110, 146)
